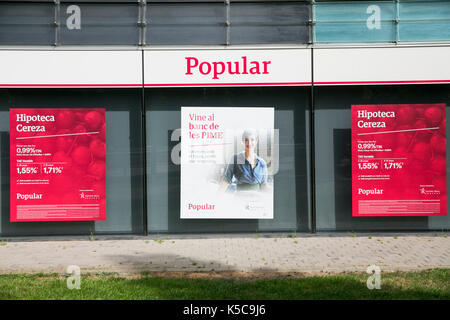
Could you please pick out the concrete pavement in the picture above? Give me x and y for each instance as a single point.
(266, 253)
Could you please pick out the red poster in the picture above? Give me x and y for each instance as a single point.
(57, 164)
(399, 160)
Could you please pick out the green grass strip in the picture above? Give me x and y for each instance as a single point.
(429, 284)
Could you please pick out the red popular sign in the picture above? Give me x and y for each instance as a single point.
(57, 164)
(399, 160)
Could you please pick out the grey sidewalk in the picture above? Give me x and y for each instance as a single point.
(231, 253)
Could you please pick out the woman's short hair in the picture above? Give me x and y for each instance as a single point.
(249, 132)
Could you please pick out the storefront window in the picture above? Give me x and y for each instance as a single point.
(124, 195)
(291, 207)
(333, 180)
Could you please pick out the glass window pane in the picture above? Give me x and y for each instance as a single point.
(269, 22)
(163, 114)
(353, 21)
(352, 10)
(333, 171)
(27, 24)
(354, 32)
(424, 9)
(101, 24)
(424, 31)
(192, 23)
(424, 21)
(124, 195)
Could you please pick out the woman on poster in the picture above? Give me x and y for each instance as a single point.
(246, 169)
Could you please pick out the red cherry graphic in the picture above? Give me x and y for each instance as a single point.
(78, 172)
(404, 127)
(97, 148)
(405, 115)
(97, 169)
(63, 182)
(102, 132)
(433, 116)
(81, 156)
(421, 151)
(442, 127)
(50, 128)
(87, 180)
(416, 166)
(438, 143)
(93, 120)
(419, 124)
(439, 165)
(400, 152)
(423, 135)
(79, 177)
(423, 178)
(80, 115)
(420, 111)
(82, 138)
(64, 143)
(404, 139)
(62, 157)
(386, 140)
(47, 145)
(65, 119)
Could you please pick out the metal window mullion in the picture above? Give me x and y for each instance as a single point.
(227, 22)
(144, 151)
(312, 150)
(397, 21)
(312, 22)
(142, 24)
(57, 22)
(144, 20)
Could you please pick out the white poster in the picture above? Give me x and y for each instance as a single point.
(228, 158)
